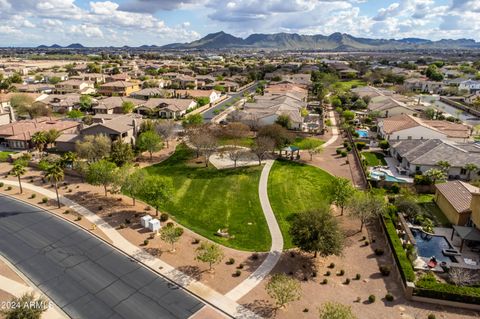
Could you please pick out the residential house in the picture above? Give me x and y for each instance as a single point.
(388, 106)
(404, 126)
(148, 93)
(40, 88)
(125, 127)
(96, 78)
(418, 156)
(75, 86)
(113, 105)
(60, 103)
(283, 88)
(470, 86)
(454, 198)
(18, 135)
(167, 108)
(185, 94)
(185, 82)
(119, 88)
(122, 77)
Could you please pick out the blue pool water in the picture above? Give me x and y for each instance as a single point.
(377, 175)
(429, 246)
(362, 133)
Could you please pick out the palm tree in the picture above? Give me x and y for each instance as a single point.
(18, 170)
(68, 158)
(470, 167)
(54, 174)
(51, 136)
(39, 139)
(444, 166)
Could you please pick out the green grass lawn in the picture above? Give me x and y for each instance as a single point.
(347, 85)
(432, 210)
(300, 142)
(207, 199)
(374, 159)
(4, 156)
(295, 187)
(245, 141)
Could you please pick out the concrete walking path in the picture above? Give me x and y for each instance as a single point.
(277, 241)
(335, 134)
(222, 302)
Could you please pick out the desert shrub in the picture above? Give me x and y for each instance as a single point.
(145, 242)
(328, 273)
(341, 273)
(44, 200)
(385, 270)
(231, 261)
(324, 281)
(357, 277)
(237, 273)
(379, 251)
(163, 217)
(389, 297)
(331, 266)
(347, 281)
(371, 298)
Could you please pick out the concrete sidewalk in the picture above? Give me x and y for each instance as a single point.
(214, 298)
(334, 137)
(277, 241)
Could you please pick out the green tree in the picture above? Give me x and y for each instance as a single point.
(384, 145)
(192, 120)
(75, 114)
(51, 135)
(171, 234)
(365, 206)
(55, 174)
(23, 307)
(102, 173)
(54, 80)
(209, 253)
(435, 175)
(317, 231)
(18, 170)
(93, 147)
(284, 120)
(430, 113)
(86, 102)
(312, 147)
(149, 142)
(348, 115)
(433, 73)
(134, 183)
(470, 167)
(94, 68)
(128, 107)
(444, 166)
(341, 191)
(121, 153)
(283, 289)
(201, 101)
(39, 139)
(16, 78)
(157, 190)
(334, 310)
(277, 133)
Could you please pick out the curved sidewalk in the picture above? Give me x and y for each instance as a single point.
(335, 134)
(222, 302)
(277, 241)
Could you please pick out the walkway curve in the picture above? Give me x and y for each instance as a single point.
(207, 294)
(335, 134)
(277, 241)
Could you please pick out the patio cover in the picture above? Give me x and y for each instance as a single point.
(466, 233)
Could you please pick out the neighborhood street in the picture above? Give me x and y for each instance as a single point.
(81, 274)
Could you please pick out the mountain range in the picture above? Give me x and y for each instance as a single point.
(334, 42)
(56, 46)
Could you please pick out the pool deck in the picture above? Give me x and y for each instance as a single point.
(392, 169)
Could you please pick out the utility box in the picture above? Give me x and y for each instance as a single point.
(154, 224)
(144, 220)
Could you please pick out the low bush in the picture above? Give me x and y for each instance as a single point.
(343, 154)
(341, 273)
(237, 273)
(254, 256)
(44, 200)
(331, 266)
(379, 251)
(338, 151)
(231, 261)
(406, 268)
(347, 281)
(163, 217)
(67, 211)
(385, 270)
(240, 266)
(195, 241)
(431, 316)
(357, 277)
(389, 297)
(328, 273)
(33, 196)
(371, 298)
(79, 218)
(9, 188)
(145, 242)
(305, 310)
(1, 184)
(324, 281)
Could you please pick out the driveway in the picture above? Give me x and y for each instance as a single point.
(81, 274)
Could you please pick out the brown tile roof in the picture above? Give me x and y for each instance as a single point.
(458, 194)
(23, 130)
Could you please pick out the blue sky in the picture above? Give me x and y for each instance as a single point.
(137, 22)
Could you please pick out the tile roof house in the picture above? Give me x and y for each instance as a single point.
(18, 135)
(118, 88)
(167, 108)
(454, 198)
(114, 104)
(147, 93)
(405, 126)
(75, 86)
(388, 106)
(211, 94)
(419, 156)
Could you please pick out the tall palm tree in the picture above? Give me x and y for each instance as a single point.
(470, 167)
(51, 136)
(54, 174)
(39, 139)
(18, 170)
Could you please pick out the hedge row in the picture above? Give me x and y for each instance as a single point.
(403, 262)
(427, 286)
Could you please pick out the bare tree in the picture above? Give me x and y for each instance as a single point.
(234, 153)
(463, 277)
(166, 129)
(208, 146)
(262, 146)
(236, 130)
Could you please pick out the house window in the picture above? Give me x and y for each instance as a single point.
(417, 168)
(463, 171)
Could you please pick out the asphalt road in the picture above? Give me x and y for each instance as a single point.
(81, 274)
(210, 113)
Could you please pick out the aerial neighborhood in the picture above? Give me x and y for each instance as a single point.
(274, 176)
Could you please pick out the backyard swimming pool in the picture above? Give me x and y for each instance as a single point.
(362, 133)
(431, 245)
(378, 175)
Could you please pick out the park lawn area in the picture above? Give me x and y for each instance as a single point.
(301, 142)
(4, 156)
(206, 200)
(374, 159)
(295, 187)
(244, 141)
(347, 85)
(432, 210)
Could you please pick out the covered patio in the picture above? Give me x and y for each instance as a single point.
(466, 234)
